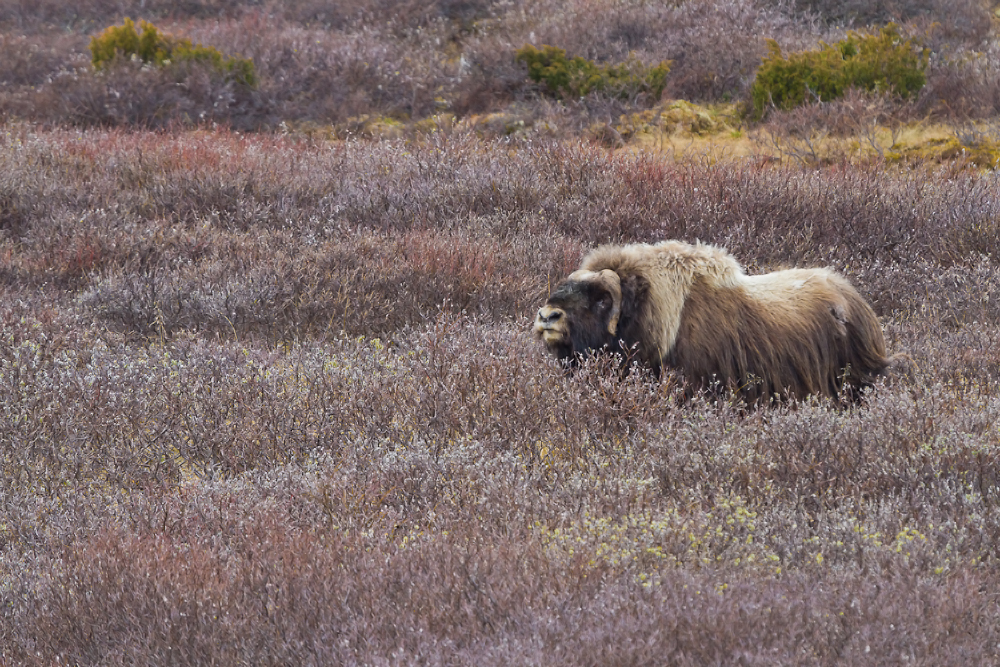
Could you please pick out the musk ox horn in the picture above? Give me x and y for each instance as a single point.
(613, 283)
(692, 308)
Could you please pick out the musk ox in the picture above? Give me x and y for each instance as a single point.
(692, 308)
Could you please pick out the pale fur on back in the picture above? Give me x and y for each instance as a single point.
(671, 268)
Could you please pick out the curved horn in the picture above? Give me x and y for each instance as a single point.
(614, 284)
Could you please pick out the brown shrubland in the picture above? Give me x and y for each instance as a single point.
(273, 398)
(355, 65)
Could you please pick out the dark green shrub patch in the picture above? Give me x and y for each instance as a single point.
(150, 46)
(576, 77)
(880, 62)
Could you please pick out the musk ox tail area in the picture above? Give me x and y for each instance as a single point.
(785, 334)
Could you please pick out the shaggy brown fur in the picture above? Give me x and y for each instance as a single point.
(691, 307)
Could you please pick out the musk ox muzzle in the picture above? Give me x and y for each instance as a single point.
(692, 308)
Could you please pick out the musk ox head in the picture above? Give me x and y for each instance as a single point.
(692, 308)
(582, 314)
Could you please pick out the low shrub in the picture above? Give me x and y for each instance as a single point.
(883, 62)
(577, 77)
(155, 48)
(244, 419)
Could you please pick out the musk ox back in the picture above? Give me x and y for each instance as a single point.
(691, 307)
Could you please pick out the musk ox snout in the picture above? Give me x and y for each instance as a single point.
(547, 316)
(550, 325)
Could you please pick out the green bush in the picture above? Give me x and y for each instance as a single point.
(150, 46)
(871, 62)
(576, 77)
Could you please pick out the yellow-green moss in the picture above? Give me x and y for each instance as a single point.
(984, 154)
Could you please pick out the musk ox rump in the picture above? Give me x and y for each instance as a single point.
(689, 307)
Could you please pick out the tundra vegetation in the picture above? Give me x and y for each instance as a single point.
(268, 388)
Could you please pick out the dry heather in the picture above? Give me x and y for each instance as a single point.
(269, 400)
(369, 66)
(273, 398)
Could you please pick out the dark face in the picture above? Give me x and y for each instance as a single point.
(577, 318)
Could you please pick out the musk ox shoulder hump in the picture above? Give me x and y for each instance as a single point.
(667, 269)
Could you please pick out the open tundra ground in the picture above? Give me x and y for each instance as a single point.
(268, 400)
(273, 398)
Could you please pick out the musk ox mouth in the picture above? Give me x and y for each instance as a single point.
(551, 338)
